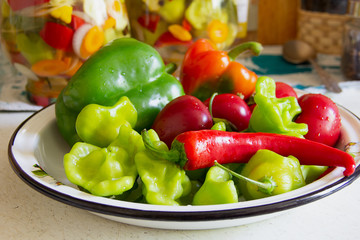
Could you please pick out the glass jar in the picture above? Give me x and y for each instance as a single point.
(48, 40)
(172, 25)
(350, 59)
(242, 10)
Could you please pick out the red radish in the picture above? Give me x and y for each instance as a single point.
(284, 90)
(184, 113)
(322, 116)
(232, 108)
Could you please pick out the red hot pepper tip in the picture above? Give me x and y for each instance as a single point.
(199, 149)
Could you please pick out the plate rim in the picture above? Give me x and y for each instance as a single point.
(185, 216)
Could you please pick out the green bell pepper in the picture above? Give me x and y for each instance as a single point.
(124, 67)
(107, 171)
(100, 125)
(265, 164)
(218, 188)
(275, 115)
(164, 182)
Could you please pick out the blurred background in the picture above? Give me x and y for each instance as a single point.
(46, 41)
(315, 21)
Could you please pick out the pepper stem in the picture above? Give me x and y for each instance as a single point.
(266, 185)
(254, 47)
(170, 68)
(353, 148)
(211, 103)
(228, 125)
(172, 155)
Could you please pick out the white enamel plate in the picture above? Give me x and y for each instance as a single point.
(37, 142)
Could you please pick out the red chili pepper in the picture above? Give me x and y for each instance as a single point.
(20, 4)
(57, 36)
(76, 22)
(149, 21)
(199, 149)
(185, 23)
(206, 70)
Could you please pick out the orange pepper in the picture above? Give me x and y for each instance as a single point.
(244, 80)
(50, 67)
(206, 70)
(67, 60)
(109, 23)
(202, 65)
(117, 6)
(217, 31)
(84, 53)
(93, 41)
(73, 68)
(72, 65)
(59, 54)
(180, 32)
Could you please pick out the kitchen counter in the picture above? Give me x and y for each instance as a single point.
(27, 214)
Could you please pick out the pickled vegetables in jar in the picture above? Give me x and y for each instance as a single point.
(171, 26)
(48, 40)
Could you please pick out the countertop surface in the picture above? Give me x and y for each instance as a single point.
(27, 214)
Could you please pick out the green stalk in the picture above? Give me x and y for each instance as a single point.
(211, 104)
(220, 122)
(170, 68)
(172, 155)
(267, 185)
(254, 47)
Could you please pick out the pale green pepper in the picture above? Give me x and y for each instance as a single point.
(100, 125)
(164, 182)
(267, 166)
(188, 199)
(312, 172)
(218, 188)
(107, 171)
(221, 126)
(200, 12)
(33, 47)
(275, 115)
(172, 11)
(111, 34)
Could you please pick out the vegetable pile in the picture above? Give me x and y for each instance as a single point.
(136, 136)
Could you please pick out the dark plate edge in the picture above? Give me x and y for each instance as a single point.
(190, 216)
